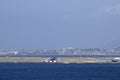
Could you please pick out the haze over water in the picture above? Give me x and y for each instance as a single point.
(51, 24)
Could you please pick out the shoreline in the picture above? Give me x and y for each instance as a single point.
(64, 60)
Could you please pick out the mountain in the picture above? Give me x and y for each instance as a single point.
(113, 44)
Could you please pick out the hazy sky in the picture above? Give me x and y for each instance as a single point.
(50, 24)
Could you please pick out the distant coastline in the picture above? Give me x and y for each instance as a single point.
(60, 60)
(64, 55)
(62, 52)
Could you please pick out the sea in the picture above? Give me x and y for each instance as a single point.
(59, 71)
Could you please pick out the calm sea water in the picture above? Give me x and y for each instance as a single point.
(41, 71)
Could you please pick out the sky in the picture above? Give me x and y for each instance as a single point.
(51, 24)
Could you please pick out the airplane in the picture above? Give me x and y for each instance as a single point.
(52, 60)
(114, 61)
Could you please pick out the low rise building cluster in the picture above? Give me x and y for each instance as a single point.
(63, 51)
